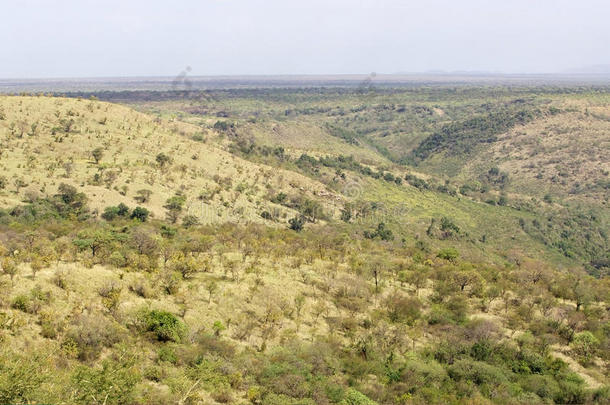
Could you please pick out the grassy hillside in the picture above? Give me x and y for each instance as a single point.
(513, 147)
(49, 141)
(294, 257)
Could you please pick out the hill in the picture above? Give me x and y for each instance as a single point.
(289, 251)
(50, 141)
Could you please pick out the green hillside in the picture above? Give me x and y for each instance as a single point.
(426, 245)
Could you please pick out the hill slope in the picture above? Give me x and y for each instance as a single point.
(388, 286)
(49, 141)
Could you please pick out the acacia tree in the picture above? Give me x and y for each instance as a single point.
(162, 159)
(93, 239)
(9, 267)
(143, 195)
(174, 206)
(97, 154)
(36, 265)
(211, 287)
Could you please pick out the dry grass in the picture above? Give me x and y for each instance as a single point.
(35, 160)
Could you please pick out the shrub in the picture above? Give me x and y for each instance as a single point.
(381, 232)
(450, 254)
(33, 302)
(110, 213)
(402, 308)
(542, 385)
(111, 295)
(584, 346)
(113, 383)
(420, 374)
(167, 353)
(190, 220)
(186, 266)
(9, 267)
(89, 334)
(22, 303)
(140, 213)
(297, 223)
(117, 259)
(165, 325)
(477, 372)
(20, 377)
(353, 397)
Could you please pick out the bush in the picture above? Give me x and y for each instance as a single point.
(381, 232)
(189, 221)
(33, 302)
(22, 303)
(402, 308)
(296, 223)
(584, 346)
(162, 159)
(165, 325)
(542, 385)
(168, 354)
(353, 397)
(140, 213)
(113, 212)
(186, 266)
(21, 377)
(112, 384)
(450, 254)
(477, 372)
(89, 334)
(419, 374)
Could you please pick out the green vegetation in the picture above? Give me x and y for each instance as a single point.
(305, 246)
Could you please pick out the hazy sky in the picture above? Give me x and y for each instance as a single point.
(87, 38)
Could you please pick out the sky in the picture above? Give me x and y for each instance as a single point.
(112, 38)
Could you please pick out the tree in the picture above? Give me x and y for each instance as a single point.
(465, 278)
(377, 266)
(122, 210)
(449, 254)
(9, 267)
(140, 213)
(93, 239)
(584, 346)
(144, 242)
(190, 220)
(174, 206)
(381, 232)
(212, 287)
(143, 196)
(36, 265)
(162, 159)
(110, 213)
(69, 200)
(97, 154)
(165, 325)
(186, 266)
